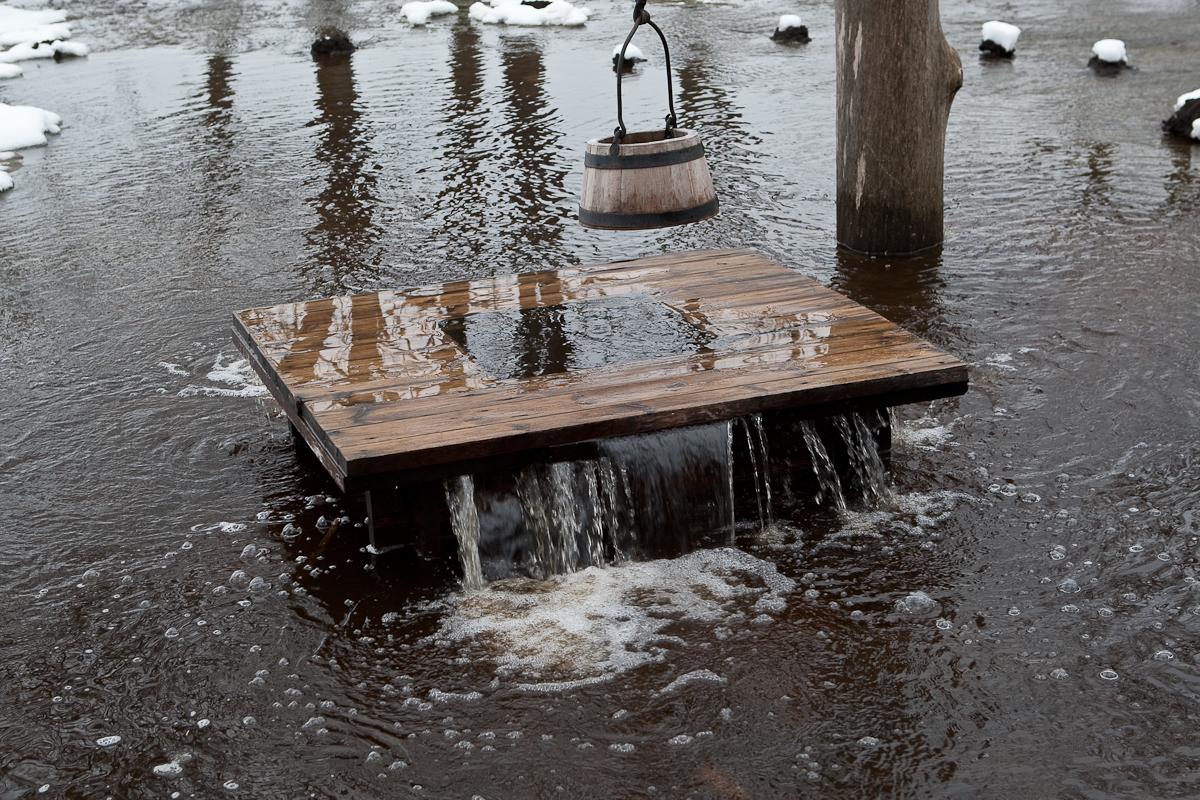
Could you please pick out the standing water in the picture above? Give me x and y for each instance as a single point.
(190, 606)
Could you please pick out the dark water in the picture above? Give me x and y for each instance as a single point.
(1052, 515)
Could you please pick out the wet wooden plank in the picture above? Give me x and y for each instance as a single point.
(374, 384)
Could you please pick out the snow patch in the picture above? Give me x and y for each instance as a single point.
(420, 11)
(1185, 98)
(1196, 130)
(6, 181)
(513, 12)
(10, 71)
(26, 126)
(1111, 51)
(633, 53)
(789, 21)
(1002, 33)
(590, 626)
(28, 51)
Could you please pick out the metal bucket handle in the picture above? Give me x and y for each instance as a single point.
(642, 17)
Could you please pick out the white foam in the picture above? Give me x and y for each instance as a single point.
(438, 696)
(10, 71)
(419, 12)
(513, 12)
(1111, 51)
(237, 375)
(922, 434)
(695, 676)
(789, 21)
(1184, 98)
(1002, 33)
(589, 626)
(26, 126)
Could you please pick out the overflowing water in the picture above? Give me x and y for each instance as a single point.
(653, 495)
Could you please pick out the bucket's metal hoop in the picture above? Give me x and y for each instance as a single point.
(642, 17)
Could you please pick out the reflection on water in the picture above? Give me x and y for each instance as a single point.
(344, 240)
(904, 290)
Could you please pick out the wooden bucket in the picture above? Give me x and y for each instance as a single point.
(653, 179)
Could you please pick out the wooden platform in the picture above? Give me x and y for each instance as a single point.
(447, 376)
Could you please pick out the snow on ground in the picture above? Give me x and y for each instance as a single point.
(31, 50)
(6, 181)
(35, 34)
(1002, 33)
(589, 626)
(18, 25)
(513, 12)
(419, 11)
(1196, 130)
(1184, 98)
(26, 126)
(633, 53)
(10, 71)
(1111, 51)
(789, 21)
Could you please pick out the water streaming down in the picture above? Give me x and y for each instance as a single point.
(829, 484)
(866, 467)
(651, 496)
(639, 497)
(460, 497)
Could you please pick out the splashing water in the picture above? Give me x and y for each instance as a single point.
(829, 485)
(865, 462)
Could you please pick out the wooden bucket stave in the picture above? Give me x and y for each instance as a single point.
(653, 181)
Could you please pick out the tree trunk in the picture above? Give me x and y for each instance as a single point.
(896, 78)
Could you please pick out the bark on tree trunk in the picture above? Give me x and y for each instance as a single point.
(896, 78)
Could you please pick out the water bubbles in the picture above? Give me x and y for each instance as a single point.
(1014, 611)
(681, 739)
(1164, 655)
(184, 546)
(398, 764)
(248, 721)
(1109, 674)
(249, 553)
(1070, 608)
(108, 741)
(916, 603)
(1130, 597)
(622, 747)
(290, 531)
(944, 624)
(202, 724)
(171, 769)
(869, 741)
(1030, 497)
(1059, 674)
(171, 633)
(1164, 556)
(1105, 612)
(239, 580)
(1058, 552)
(1136, 548)
(1068, 586)
(258, 585)
(231, 785)
(374, 755)
(322, 522)
(91, 574)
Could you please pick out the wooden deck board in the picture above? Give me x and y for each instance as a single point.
(375, 384)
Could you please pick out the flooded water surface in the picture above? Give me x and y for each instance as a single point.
(191, 608)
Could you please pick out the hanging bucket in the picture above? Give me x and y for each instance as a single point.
(646, 179)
